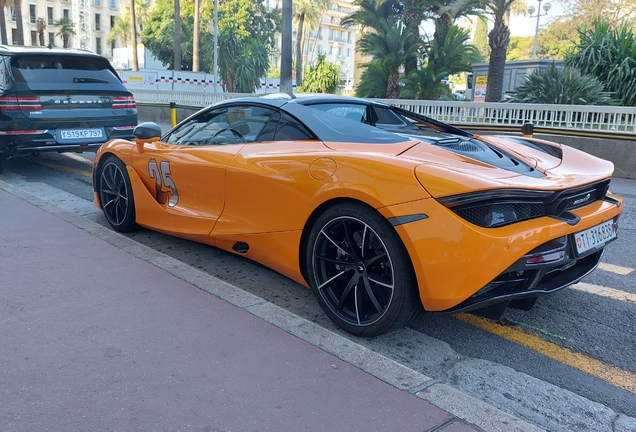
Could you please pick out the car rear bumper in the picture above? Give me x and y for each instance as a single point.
(461, 267)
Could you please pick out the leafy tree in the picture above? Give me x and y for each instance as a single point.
(310, 12)
(373, 82)
(586, 12)
(389, 47)
(608, 53)
(564, 86)
(321, 77)
(246, 37)
(66, 29)
(480, 40)
(120, 30)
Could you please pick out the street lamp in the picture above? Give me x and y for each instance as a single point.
(546, 8)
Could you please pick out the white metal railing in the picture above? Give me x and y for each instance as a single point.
(591, 119)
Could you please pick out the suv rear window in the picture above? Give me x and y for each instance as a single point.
(42, 70)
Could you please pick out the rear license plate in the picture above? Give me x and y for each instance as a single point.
(595, 237)
(81, 133)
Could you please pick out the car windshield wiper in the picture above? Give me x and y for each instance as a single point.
(89, 80)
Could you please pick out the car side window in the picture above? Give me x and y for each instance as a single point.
(356, 112)
(232, 125)
(290, 129)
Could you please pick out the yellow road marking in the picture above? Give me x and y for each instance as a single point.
(605, 292)
(66, 169)
(623, 271)
(610, 374)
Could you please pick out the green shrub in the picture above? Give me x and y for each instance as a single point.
(564, 86)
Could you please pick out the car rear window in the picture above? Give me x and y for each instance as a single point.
(42, 71)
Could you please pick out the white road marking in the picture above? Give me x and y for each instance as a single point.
(623, 271)
(605, 292)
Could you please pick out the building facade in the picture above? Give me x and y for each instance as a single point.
(330, 38)
(92, 20)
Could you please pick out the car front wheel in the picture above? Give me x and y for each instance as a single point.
(115, 195)
(360, 271)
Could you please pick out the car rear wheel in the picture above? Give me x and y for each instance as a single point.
(115, 195)
(360, 271)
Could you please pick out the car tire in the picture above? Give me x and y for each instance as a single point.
(116, 195)
(360, 271)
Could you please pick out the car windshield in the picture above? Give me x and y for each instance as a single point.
(46, 72)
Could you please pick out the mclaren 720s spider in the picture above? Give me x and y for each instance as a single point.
(380, 224)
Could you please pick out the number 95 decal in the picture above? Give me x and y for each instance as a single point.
(161, 174)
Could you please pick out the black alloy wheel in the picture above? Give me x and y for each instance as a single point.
(115, 195)
(360, 271)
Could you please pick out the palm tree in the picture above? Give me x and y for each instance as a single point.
(17, 5)
(120, 30)
(310, 12)
(389, 48)
(3, 21)
(498, 39)
(41, 26)
(66, 30)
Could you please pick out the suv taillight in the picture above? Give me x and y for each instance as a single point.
(24, 103)
(124, 102)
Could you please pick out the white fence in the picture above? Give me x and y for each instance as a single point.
(588, 120)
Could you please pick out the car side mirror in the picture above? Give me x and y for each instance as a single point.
(146, 132)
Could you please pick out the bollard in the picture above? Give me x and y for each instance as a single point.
(173, 114)
(527, 130)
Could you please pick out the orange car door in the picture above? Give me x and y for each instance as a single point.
(185, 174)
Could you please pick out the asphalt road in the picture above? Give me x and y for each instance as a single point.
(568, 364)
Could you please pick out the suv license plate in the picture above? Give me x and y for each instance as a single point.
(595, 237)
(81, 133)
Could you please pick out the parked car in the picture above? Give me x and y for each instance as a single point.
(377, 224)
(60, 100)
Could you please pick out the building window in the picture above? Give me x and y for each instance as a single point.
(34, 38)
(98, 22)
(66, 13)
(49, 16)
(98, 45)
(113, 45)
(112, 4)
(12, 10)
(112, 21)
(32, 14)
(51, 38)
(97, 3)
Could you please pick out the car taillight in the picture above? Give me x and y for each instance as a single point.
(24, 103)
(124, 102)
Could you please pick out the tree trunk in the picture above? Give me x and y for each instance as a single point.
(498, 39)
(393, 87)
(133, 31)
(177, 35)
(195, 38)
(299, 51)
(411, 14)
(286, 85)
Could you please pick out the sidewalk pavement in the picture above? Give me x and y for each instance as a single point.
(100, 333)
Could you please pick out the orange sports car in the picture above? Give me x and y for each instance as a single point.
(376, 223)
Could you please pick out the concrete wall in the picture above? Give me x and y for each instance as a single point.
(621, 152)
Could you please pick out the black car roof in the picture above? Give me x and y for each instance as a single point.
(17, 49)
(327, 127)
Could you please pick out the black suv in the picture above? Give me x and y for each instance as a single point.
(60, 100)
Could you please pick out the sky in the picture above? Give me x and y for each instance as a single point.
(525, 26)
